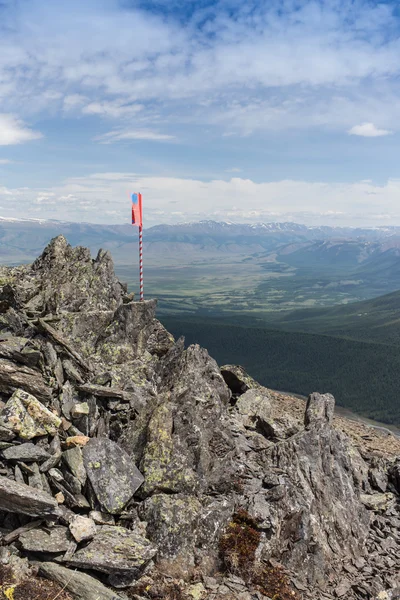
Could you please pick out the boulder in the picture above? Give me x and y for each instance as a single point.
(113, 476)
(115, 550)
(255, 405)
(257, 414)
(26, 453)
(172, 524)
(23, 499)
(101, 518)
(26, 416)
(53, 540)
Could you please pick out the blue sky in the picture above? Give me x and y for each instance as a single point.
(242, 111)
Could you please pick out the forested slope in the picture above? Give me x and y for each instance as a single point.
(363, 376)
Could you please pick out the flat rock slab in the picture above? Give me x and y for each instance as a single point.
(50, 540)
(26, 416)
(114, 550)
(80, 585)
(13, 376)
(111, 472)
(23, 499)
(25, 453)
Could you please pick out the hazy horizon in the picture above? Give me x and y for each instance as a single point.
(197, 222)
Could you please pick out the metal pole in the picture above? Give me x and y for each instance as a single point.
(141, 262)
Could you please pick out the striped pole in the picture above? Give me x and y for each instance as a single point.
(141, 262)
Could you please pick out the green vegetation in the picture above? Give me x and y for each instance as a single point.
(363, 376)
(376, 320)
(238, 547)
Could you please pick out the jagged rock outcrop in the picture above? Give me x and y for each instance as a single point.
(128, 456)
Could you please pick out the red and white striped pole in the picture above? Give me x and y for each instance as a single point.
(141, 261)
(137, 219)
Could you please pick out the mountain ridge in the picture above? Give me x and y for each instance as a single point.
(133, 466)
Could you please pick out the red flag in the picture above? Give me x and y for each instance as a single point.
(136, 209)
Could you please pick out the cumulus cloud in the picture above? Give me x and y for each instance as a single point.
(14, 131)
(102, 198)
(120, 135)
(368, 130)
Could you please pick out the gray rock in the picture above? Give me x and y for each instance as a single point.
(113, 476)
(82, 528)
(173, 522)
(80, 585)
(255, 405)
(26, 416)
(378, 502)
(36, 480)
(13, 535)
(394, 475)
(79, 410)
(115, 550)
(313, 502)
(6, 435)
(378, 478)
(74, 459)
(13, 377)
(23, 499)
(102, 391)
(207, 444)
(101, 518)
(18, 349)
(26, 453)
(72, 372)
(319, 409)
(67, 278)
(52, 540)
(238, 380)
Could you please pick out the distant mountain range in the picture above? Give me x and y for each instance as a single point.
(22, 239)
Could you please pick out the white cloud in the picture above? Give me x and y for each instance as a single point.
(5, 161)
(14, 131)
(266, 65)
(102, 197)
(233, 170)
(368, 130)
(73, 101)
(111, 109)
(120, 135)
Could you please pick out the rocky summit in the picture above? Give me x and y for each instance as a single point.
(133, 467)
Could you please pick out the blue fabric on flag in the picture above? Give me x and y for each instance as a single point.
(135, 199)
